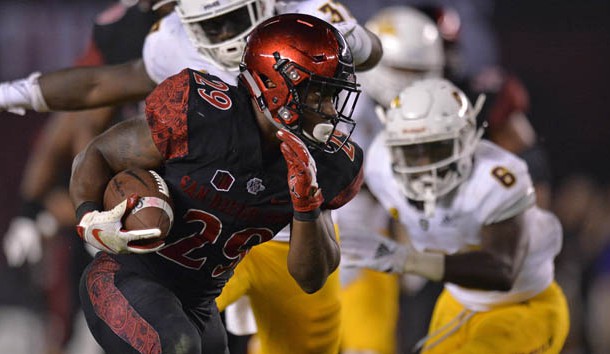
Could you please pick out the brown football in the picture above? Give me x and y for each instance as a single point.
(154, 209)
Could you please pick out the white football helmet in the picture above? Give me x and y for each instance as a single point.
(202, 17)
(430, 129)
(412, 50)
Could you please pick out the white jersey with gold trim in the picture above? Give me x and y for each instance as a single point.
(168, 49)
(329, 11)
(498, 188)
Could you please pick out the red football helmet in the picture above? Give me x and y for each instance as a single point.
(287, 57)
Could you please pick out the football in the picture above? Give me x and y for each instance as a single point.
(154, 209)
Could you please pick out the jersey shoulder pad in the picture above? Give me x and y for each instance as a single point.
(212, 95)
(340, 175)
(166, 113)
(499, 186)
(159, 45)
(216, 113)
(329, 11)
(192, 112)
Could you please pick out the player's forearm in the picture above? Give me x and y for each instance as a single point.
(90, 175)
(92, 87)
(373, 55)
(480, 270)
(79, 88)
(314, 253)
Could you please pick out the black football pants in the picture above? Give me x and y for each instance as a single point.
(129, 313)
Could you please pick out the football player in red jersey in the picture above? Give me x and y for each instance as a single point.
(172, 47)
(241, 163)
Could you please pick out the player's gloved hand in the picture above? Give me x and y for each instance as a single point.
(22, 242)
(374, 252)
(103, 230)
(346, 27)
(302, 182)
(386, 255)
(19, 95)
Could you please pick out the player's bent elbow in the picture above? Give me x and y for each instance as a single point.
(480, 270)
(503, 279)
(502, 284)
(311, 287)
(308, 280)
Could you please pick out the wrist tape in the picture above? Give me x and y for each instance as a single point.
(427, 264)
(85, 208)
(31, 208)
(307, 216)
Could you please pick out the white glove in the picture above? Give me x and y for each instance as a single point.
(346, 27)
(239, 317)
(386, 255)
(375, 252)
(22, 242)
(103, 230)
(19, 95)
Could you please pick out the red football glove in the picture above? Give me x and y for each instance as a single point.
(304, 192)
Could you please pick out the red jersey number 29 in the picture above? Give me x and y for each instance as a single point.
(213, 92)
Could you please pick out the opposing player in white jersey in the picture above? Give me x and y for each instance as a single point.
(468, 209)
(213, 39)
(210, 36)
(412, 50)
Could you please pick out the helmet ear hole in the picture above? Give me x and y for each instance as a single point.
(270, 84)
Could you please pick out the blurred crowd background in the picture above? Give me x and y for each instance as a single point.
(559, 49)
